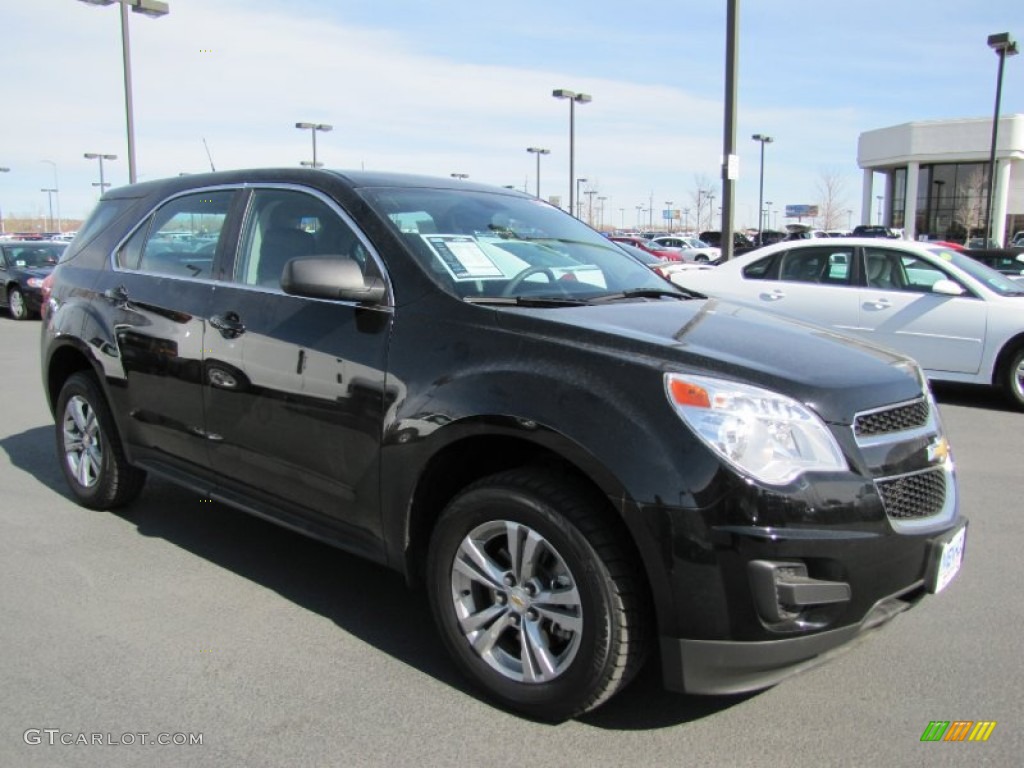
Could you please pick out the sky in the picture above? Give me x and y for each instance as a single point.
(448, 86)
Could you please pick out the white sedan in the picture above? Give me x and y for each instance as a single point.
(959, 319)
(691, 248)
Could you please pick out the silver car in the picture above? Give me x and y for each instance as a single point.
(961, 320)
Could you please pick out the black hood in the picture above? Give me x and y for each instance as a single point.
(835, 375)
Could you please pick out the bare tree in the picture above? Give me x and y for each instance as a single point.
(832, 204)
(702, 201)
(969, 208)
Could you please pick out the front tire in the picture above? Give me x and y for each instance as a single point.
(534, 595)
(16, 303)
(89, 447)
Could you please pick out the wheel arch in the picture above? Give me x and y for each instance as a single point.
(1004, 358)
(470, 458)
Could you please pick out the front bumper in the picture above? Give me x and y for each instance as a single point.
(717, 666)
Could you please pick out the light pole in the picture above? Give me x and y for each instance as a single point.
(574, 99)
(710, 199)
(671, 218)
(767, 219)
(600, 211)
(762, 139)
(313, 128)
(3, 170)
(538, 152)
(56, 189)
(879, 199)
(579, 200)
(153, 9)
(639, 210)
(101, 157)
(1004, 46)
(686, 219)
(49, 195)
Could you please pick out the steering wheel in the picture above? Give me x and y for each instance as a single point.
(517, 281)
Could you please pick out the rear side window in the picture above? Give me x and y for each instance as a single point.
(181, 238)
(829, 265)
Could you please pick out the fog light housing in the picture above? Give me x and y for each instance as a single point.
(784, 594)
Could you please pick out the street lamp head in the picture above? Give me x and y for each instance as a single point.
(315, 126)
(311, 164)
(563, 93)
(151, 8)
(1003, 44)
(762, 138)
(99, 2)
(581, 180)
(583, 98)
(460, 175)
(538, 151)
(97, 155)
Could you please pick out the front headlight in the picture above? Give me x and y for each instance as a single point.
(762, 433)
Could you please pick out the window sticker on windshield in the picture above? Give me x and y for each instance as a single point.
(463, 257)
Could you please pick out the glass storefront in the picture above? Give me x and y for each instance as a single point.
(951, 201)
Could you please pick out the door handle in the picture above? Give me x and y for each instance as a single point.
(229, 324)
(117, 296)
(774, 295)
(878, 304)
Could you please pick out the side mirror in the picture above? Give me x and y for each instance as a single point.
(331, 277)
(947, 288)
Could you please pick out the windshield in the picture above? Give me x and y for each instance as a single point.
(480, 245)
(994, 281)
(34, 256)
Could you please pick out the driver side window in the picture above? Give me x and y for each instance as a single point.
(284, 224)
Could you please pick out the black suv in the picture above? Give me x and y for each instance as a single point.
(580, 462)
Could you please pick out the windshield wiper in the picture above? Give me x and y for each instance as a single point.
(647, 293)
(526, 301)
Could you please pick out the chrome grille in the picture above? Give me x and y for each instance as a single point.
(909, 497)
(897, 419)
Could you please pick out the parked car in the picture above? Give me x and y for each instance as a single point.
(1008, 261)
(23, 267)
(691, 248)
(960, 320)
(662, 252)
(872, 230)
(1018, 240)
(740, 242)
(670, 270)
(577, 470)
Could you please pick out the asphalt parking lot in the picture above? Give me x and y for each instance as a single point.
(182, 617)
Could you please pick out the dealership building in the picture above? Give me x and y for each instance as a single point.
(935, 178)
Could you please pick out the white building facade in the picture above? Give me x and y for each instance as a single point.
(936, 178)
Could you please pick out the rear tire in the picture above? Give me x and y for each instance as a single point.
(89, 447)
(1012, 382)
(534, 595)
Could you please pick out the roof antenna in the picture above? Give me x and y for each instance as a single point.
(208, 155)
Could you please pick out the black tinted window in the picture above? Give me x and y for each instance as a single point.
(180, 238)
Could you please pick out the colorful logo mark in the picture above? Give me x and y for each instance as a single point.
(958, 730)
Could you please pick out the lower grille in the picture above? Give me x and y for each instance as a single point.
(914, 496)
